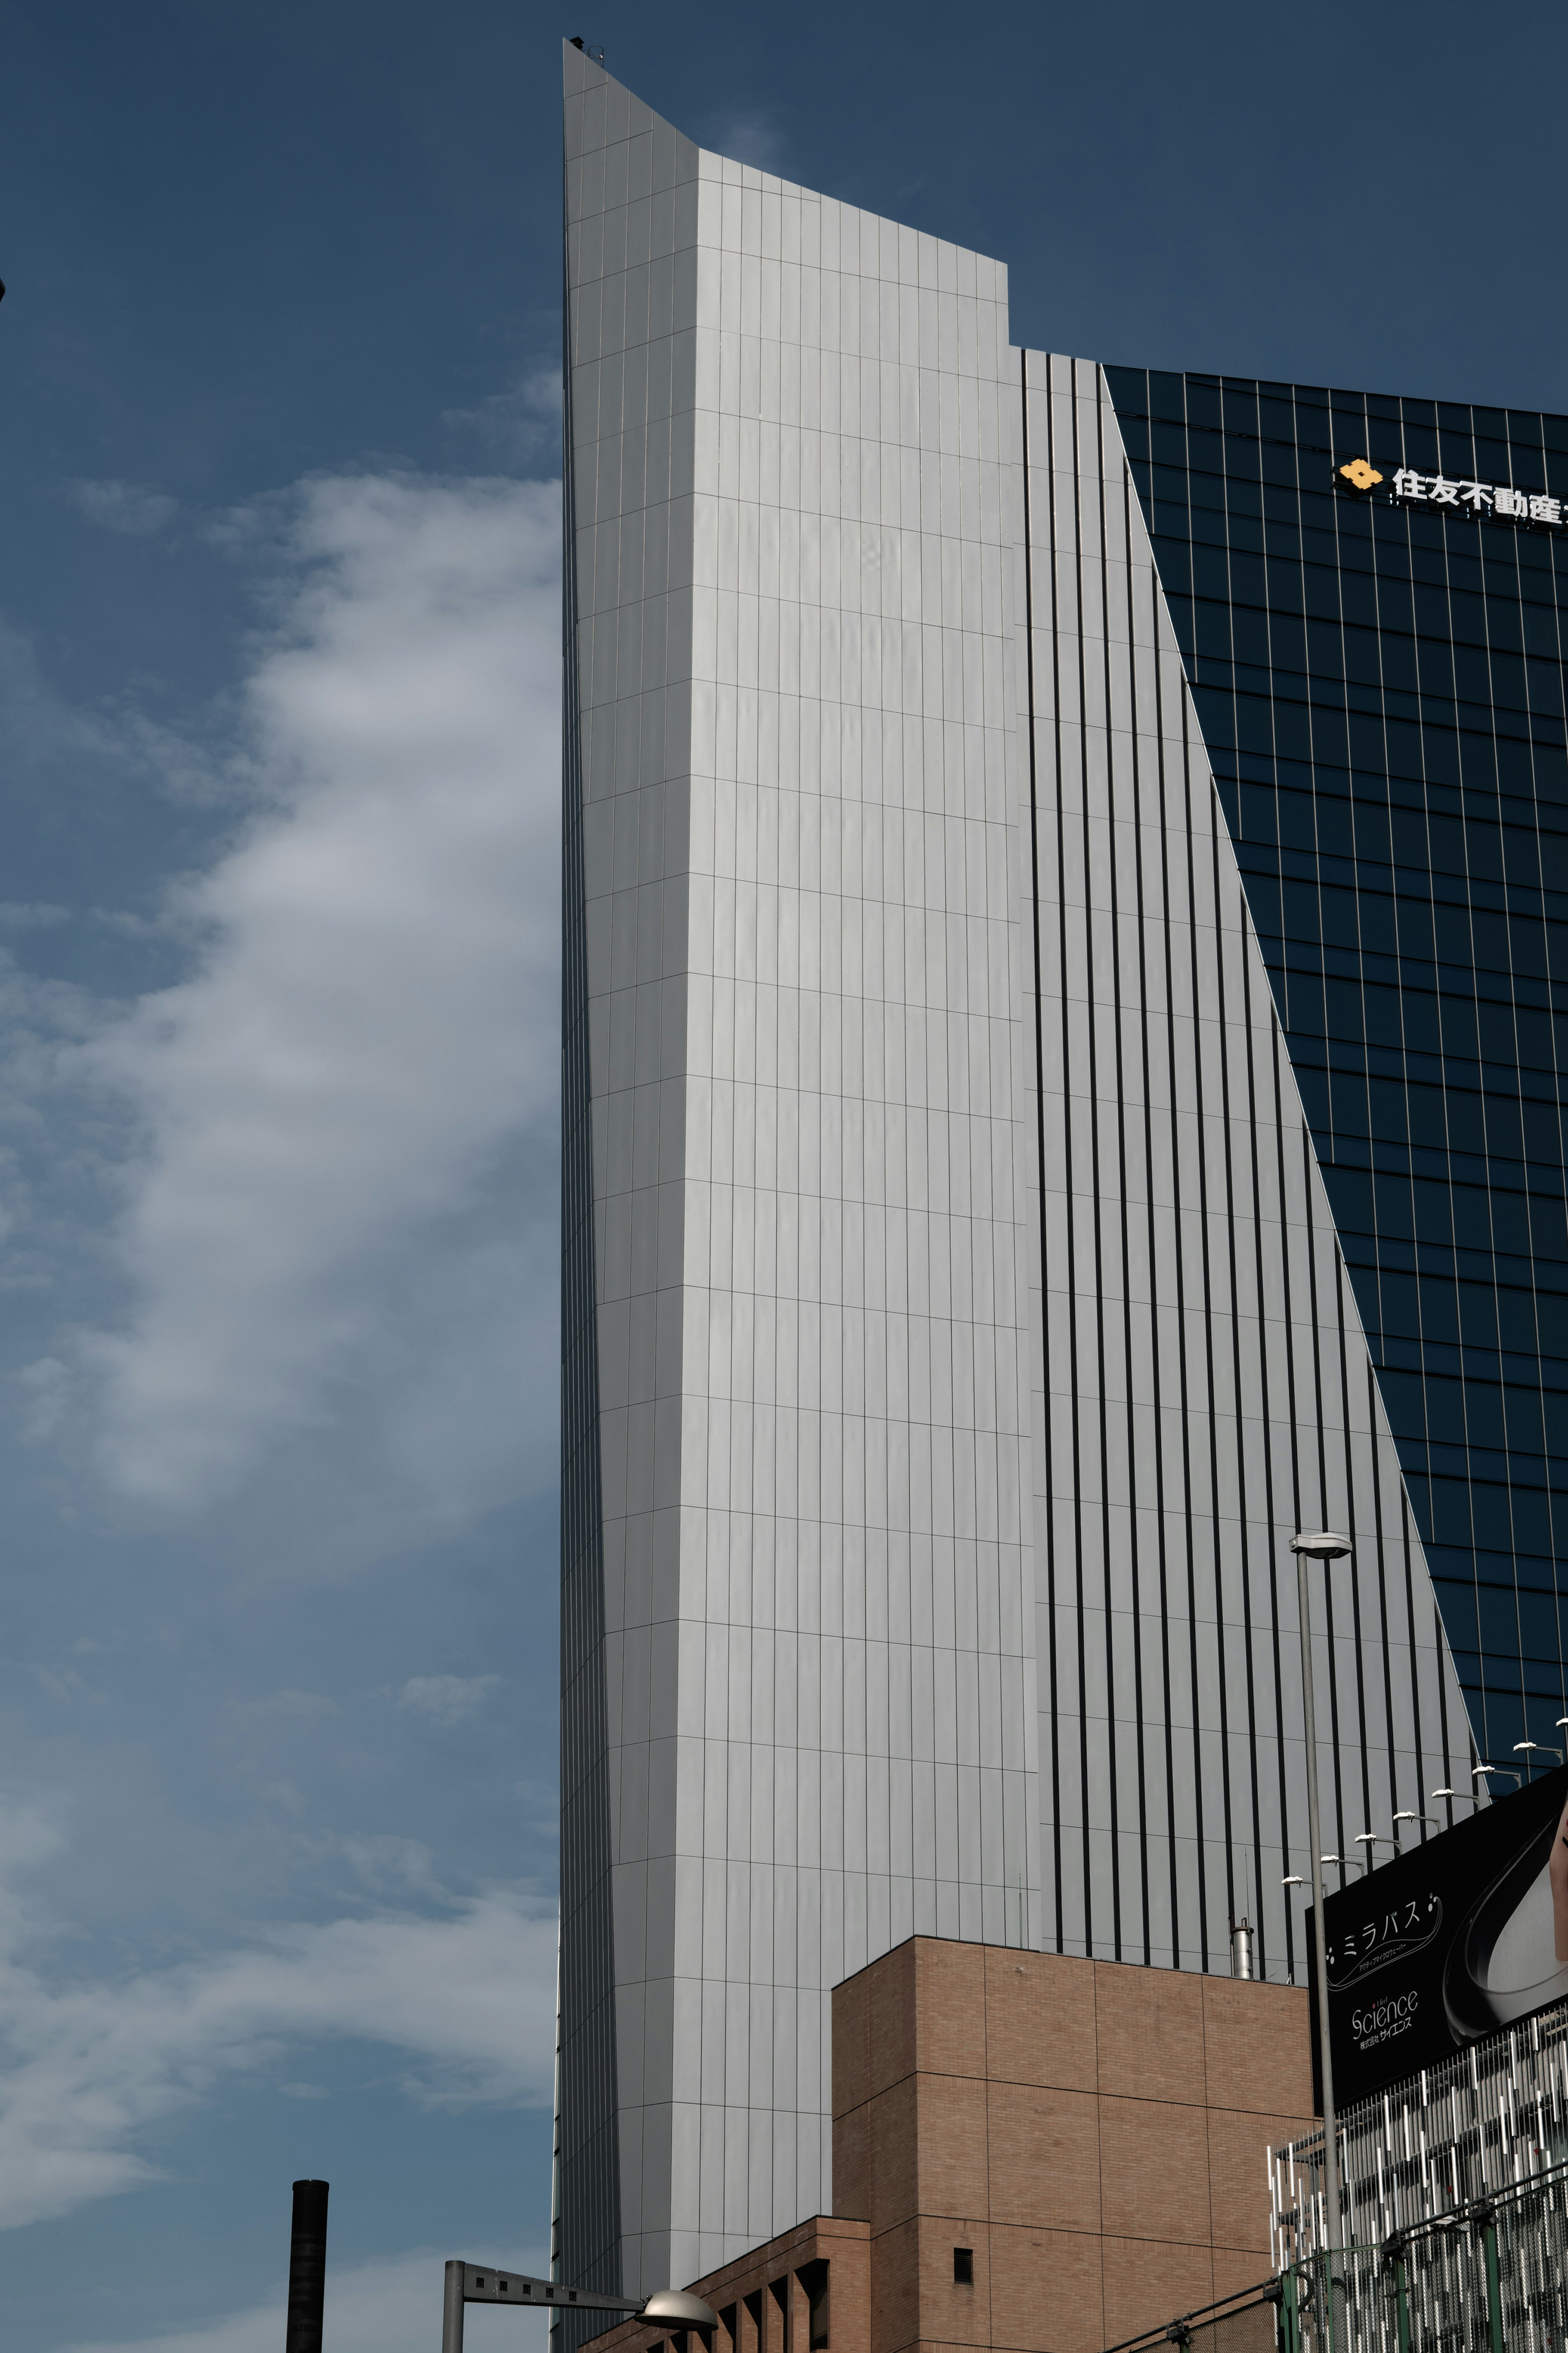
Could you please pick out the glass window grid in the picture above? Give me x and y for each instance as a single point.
(1382, 695)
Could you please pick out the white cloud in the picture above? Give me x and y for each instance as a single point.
(447, 1699)
(371, 1022)
(128, 508)
(390, 2305)
(464, 1999)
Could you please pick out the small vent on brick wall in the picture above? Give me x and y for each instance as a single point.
(963, 2266)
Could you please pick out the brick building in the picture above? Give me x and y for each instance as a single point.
(1031, 2152)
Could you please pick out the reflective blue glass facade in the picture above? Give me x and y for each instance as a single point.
(1381, 690)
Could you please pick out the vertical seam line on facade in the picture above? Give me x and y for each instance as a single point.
(1309, 1170)
(1188, 861)
(1156, 609)
(1164, 781)
(1113, 960)
(1071, 1218)
(1237, 898)
(1377, 1499)
(1049, 1530)
(1276, 1060)
(1357, 1594)
(1135, 1547)
(1421, 1799)
(1270, 1513)
(1222, 1027)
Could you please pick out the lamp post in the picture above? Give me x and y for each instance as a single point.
(483, 2284)
(1324, 1545)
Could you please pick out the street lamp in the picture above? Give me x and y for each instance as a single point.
(483, 2284)
(1324, 1545)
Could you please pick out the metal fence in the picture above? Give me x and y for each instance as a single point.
(1490, 2277)
(1455, 2220)
(1247, 2322)
(1455, 2225)
(1487, 2120)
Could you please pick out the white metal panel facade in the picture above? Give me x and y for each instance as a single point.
(811, 1653)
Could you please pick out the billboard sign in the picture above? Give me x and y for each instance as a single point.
(1448, 1943)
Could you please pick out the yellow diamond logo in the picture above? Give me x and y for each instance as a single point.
(1359, 475)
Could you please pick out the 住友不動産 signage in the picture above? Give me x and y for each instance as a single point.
(1459, 495)
(1449, 1942)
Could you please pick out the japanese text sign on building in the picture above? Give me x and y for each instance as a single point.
(1452, 1940)
(1392, 1933)
(1409, 488)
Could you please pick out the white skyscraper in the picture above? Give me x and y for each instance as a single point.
(955, 1328)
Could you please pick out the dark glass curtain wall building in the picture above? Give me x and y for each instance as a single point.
(1373, 636)
(1064, 960)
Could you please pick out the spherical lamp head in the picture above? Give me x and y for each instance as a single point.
(674, 2304)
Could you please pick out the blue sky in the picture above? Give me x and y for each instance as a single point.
(278, 979)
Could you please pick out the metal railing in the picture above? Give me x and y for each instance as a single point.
(1488, 2277)
(1484, 2121)
(1242, 2323)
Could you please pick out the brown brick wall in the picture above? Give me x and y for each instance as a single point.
(764, 2288)
(1095, 2133)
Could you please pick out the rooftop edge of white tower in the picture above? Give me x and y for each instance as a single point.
(799, 1705)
